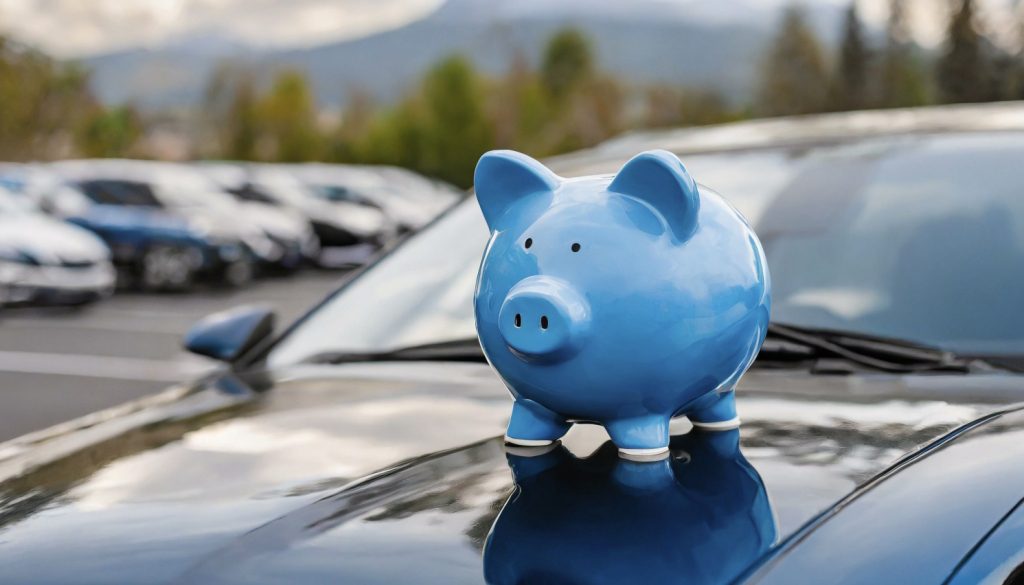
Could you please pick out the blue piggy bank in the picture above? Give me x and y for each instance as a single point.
(701, 516)
(622, 301)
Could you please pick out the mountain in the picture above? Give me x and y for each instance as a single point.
(697, 43)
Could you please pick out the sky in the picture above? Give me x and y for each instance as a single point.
(79, 28)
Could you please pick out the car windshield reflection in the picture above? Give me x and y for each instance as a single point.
(913, 237)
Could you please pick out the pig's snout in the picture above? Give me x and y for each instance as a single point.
(543, 318)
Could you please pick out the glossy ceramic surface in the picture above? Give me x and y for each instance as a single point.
(621, 300)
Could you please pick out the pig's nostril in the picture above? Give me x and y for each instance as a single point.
(519, 320)
(544, 322)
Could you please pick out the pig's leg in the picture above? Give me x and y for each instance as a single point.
(640, 436)
(532, 425)
(715, 412)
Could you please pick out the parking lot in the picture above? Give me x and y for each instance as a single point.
(56, 364)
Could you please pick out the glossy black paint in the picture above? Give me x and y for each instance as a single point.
(289, 476)
(918, 521)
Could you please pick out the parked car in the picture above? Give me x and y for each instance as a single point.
(410, 200)
(286, 225)
(363, 444)
(46, 261)
(350, 232)
(159, 241)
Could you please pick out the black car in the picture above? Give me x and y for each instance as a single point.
(363, 445)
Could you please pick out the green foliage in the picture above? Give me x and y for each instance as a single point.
(794, 77)
(287, 117)
(41, 103)
(568, 61)
(902, 80)
(849, 90)
(963, 73)
(109, 133)
(229, 109)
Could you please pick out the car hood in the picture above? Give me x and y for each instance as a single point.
(50, 241)
(396, 472)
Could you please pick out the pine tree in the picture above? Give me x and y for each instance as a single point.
(963, 72)
(901, 79)
(850, 85)
(794, 79)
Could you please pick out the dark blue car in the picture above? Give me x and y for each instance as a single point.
(880, 439)
(152, 247)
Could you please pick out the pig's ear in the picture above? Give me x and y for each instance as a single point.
(660, 179)
(504, 177)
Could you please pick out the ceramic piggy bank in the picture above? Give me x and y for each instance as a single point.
(623, 301)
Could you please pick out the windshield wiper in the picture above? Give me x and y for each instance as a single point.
(824, 347)
(828, 351)
(458, 350)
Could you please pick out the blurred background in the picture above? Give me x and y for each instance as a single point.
(429, 84)
(257, 150)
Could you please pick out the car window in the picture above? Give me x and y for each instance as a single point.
(252, 194)
(115, 192)
(916, 237)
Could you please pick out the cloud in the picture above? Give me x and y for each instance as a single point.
(72, 28)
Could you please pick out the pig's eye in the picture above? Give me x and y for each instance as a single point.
(528, 243)
(576, 247)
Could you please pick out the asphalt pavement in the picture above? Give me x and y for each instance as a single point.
(57, 364)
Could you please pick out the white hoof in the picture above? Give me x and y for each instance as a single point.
(725, 425)
(528, 442)
(656, 454)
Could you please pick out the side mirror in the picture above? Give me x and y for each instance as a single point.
(227, 335)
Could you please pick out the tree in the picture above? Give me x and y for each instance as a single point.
(440, 130)
(356, 121)
(109, 133)
(520, 110)
(850, 85)
(456, 130)
(794, 79)
(963, 72)
(568, 61)
(42, 102)
(229, 110)
(901, 79)
(288, 119)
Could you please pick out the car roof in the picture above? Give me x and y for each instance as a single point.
(795, 131)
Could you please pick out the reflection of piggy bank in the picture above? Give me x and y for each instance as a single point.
(623, 301)
(700, 517)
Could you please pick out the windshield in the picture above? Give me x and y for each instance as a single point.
(916, 237)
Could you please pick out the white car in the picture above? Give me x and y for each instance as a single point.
(410, 200)
(47, 261)
(349, 232)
